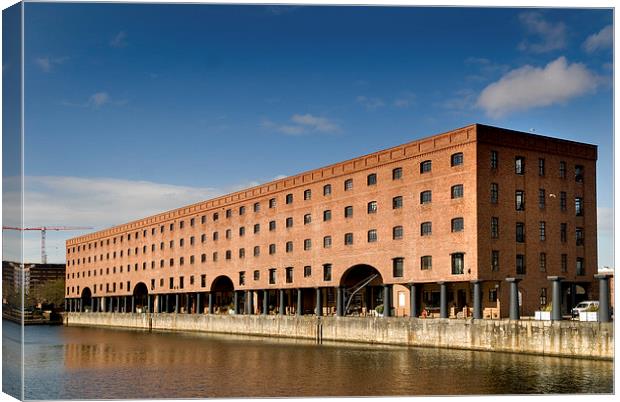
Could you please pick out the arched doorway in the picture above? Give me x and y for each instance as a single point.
(87, 300)
(222, 289)
(363, 290)
(140, 297)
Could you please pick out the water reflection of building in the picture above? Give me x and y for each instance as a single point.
(30, 276)
(434, 226)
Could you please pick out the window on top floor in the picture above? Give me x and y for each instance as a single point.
(520, 165)
(181, 226)
(494, 159)
(425, 166)
(256, 206)
(562, 169)
(289, 198)
(272, 203)
(371, 179)
(579, 173)
(348, 184)
(241, 210)
(541, 167)
(456, 159)
(327, 189)
(228, 213)
(216, 216)
(397, 173)
(307, 194)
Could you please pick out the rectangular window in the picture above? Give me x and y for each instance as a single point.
(398, 267)
(372, 207)
(520, 165)
(327, 215)
(327, 242)
(272, 249)
(307, 195)
(171, 283)
(542, 230)
(215, 256)
(543, 297)
(348, 184)
(228, 213)
(541, 167)
(458, 263)
(256, 251)
(241, 210)
(372, 235)
(348, 211)
(457, 225)
(563, 201)
(563, 230)
(397, 202)
(578, 206)
(520, 235)
(289, 275)
(397, 173)
(562, 169)
(520, 200)
(493, 159)
(495, 260)
(541, 198)
(242, 278)
(520, 264)
(426, 263)
(256, 275)
(579, 173)
(580, 269)
(203, 280)
(289, 198)
(456, 159)
(426, 228)
(242, 252)
(228, 233)
(579, 236)
(495, 227)
(397, 232)
(216, 216)
(371, 179)
(289, 246)
(272, 203)
(272, 226)
(307, 271)
(216, 236)
(307, 244)
(256, 206)
(456, 191)
(327, 189)
(327, 272)
(426, 197)
(257, 228)
(289, 222)
(181, 282)
(493, 295)
(272, 276)
(425, 166)
(307, 219)
(564, 263)
(242, 231)
(542, 262)
(348, 239)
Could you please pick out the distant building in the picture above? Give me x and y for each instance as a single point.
(31, 275)
(427, 225)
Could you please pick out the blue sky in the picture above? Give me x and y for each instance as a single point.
(133, 109)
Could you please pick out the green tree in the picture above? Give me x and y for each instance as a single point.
(50, 292)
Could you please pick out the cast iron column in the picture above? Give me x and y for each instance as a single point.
(148, 299)
(198, 311)
(133, 304)
(187, 303)
(477, 300)
(246, 305)
(210, 302)
(413, 300)
(339, 301)
(176, 303)
(443, 300)
(299, 307)
(319, 307)
(556, 297)
(265, 301)
(514, 299)
(282, 309)
(603, 298)
(387, 300)
(236, 302)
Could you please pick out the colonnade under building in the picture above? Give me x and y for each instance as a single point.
(317, 301)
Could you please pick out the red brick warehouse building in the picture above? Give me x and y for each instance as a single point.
(431, 226)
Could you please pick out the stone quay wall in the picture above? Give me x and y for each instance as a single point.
(554, 338)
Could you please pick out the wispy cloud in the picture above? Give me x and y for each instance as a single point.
(119, 40)
(603, 39)
(300, 124)
(405, 100)
(485, 69)
(529, 87)
(370, 103)
(47, 63)
(548, 35)
(97, 101)
(461, 101)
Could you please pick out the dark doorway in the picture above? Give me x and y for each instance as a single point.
(363, 290)
(140, 295)
(222, 289)
(87, 300)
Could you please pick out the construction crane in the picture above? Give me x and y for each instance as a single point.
(43, 230)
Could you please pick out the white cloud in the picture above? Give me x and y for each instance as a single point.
(528, 87)
(46, 63)
(461, 101)
(302, 124)
(551, 36)
(96, 202)
(370, 103)
(119, 40)
(601, 40)
(99, 99)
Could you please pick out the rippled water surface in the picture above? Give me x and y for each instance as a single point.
(93, 363)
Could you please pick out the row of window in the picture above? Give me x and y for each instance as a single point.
(520, 167)
(371, 180)
(542, 263)
(542, 231)
(542, 200)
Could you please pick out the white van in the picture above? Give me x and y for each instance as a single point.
(583, 306)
